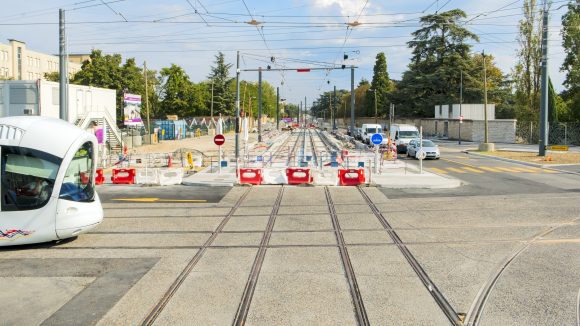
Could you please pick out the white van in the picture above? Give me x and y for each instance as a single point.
(369, 129)
(402, 135)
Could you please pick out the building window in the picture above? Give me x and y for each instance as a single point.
(19, 59)
(30, 76)
(23, 95)
(440, 111)
(450, 111)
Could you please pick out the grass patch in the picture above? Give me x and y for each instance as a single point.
(551, 157)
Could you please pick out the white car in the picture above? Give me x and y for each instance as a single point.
(431, 150)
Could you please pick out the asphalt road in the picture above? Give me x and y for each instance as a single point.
(484, 176)
(110, 193)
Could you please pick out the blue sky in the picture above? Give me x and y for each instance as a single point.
(297, 33)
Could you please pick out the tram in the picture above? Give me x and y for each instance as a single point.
(47, 179)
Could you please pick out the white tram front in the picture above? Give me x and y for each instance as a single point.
(47, 179)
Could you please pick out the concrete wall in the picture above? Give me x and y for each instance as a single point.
(500, 131)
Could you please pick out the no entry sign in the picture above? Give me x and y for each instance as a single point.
(219, 140)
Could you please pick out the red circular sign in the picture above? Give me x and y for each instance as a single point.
(219, 140)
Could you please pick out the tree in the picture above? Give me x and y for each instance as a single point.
(176, 92)
(440, 53)
(223, 97)
(381, 84)
(52, 76)
(527, 72)
(571, 64)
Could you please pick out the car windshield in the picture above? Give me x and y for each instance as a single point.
(408, 134)
(374, 130)
(428, 143)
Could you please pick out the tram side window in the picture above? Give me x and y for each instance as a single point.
(78, 180)
(27, 178)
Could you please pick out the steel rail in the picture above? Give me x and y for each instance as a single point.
(156, 311)
(439, 298)
(357, 300)
(244, 307)
(474, 314)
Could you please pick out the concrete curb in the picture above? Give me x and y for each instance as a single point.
(543, 166)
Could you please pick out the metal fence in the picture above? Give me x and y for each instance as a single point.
(560, 133)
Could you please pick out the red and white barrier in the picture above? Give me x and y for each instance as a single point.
(351, 177)
(297, 176)
(100, 177)
(250, 176)
(123, 176)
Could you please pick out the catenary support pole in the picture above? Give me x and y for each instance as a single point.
(237, 130)
(260, 105)
(277, 108)
(352, 100)
(544, 87)
(62, 67)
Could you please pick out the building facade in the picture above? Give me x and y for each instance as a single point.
(17, 62)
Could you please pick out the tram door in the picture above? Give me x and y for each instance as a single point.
(77, 192)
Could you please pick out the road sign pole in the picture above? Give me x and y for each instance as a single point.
(421, 150)
(220, 160)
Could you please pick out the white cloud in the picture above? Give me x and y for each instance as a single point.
(347, 7)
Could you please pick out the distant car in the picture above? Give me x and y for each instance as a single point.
(429, 147)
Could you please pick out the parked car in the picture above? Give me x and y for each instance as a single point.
(429, 147)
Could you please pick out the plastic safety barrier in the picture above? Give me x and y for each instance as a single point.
(351, 177)
(170, 176)
(297, 176)
(100, 177)
(147, 177)
(123, 176)
(250, 176)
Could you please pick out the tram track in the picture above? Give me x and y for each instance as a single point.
(162, 303)
(359, 308)
(244, 307)
(437, 295)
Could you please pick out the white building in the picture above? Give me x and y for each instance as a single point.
(469, 111)
(19, 63)
(85, 104)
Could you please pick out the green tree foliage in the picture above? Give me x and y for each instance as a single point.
(571, 65)
(249, 98)
(527, 72)
(382, 87)
(223, 97)
(439, 52)
(176, 92)
(108, 71)
(52, 76)
(360, 99)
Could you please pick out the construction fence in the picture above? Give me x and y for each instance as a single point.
(559, 133)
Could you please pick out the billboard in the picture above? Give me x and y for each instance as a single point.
(132, 110)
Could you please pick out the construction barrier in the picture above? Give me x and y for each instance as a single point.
(325, 177)
(99, 178)
(250, 176)
(351, 177)
(297, 176)
(147, 177)
(123, 176)
(170, 176)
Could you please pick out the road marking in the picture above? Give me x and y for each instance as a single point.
(490, 169)
(456, 170)
(472, 169)
(507, 169)
(439, 170)
(159, 200)
(529, 170)
(549, 171)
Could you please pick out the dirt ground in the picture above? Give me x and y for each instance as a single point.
(552, 157)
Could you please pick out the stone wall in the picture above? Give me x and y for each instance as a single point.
(499, 131)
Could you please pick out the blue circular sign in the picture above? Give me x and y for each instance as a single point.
(377, 139)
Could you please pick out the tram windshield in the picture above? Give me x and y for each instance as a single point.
(27, 178)
(78, 180)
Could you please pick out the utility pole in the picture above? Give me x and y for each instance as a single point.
(486, 140)
(62, 67)
(277, 108)
(352, 100)
(211, 105)
(147, 100)
(299, 112)
(260, 105)
(544, 98)
(376, 118)
(330, 109)
(237, 107)
(304, 113)
(460, 104)
(334, 110)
